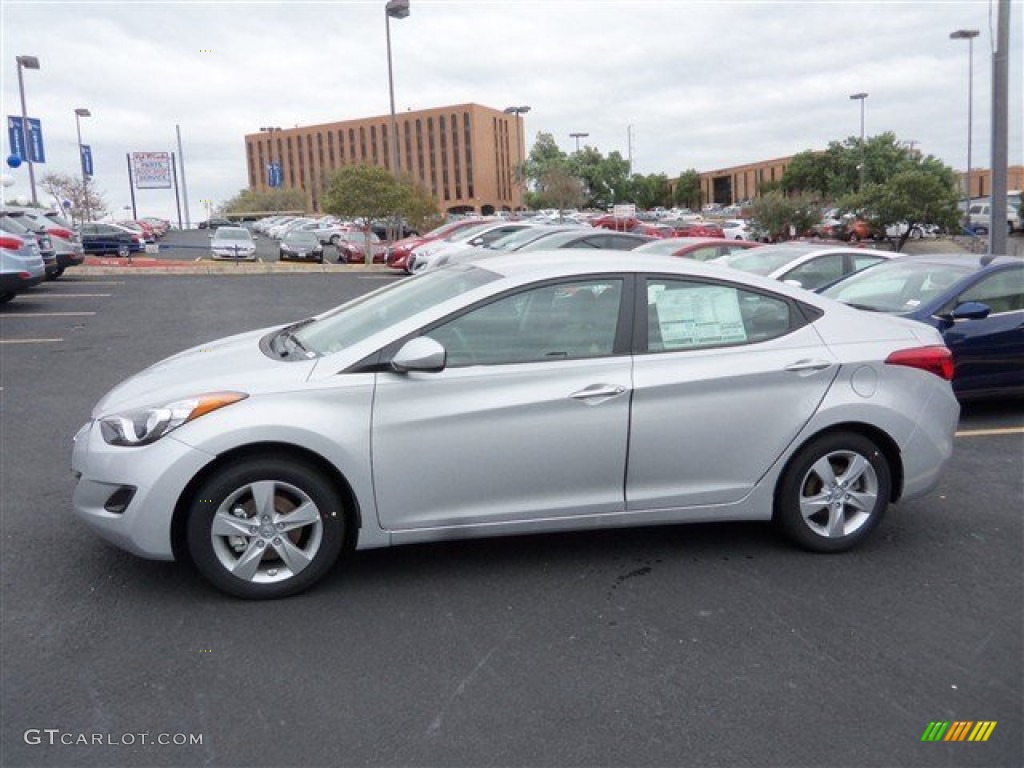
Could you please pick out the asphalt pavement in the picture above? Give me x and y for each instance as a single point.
(709, 645)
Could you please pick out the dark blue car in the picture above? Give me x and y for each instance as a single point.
(977, 302)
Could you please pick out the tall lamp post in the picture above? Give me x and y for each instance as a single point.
(861, 97)
(968, 35)
(394, 9)
(27, 62)
(81, 112)
(519, 112)
(578, 136)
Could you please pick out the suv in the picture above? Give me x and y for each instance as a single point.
(980, 216)
(65, 240)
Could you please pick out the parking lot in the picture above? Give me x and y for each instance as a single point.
(689, 645)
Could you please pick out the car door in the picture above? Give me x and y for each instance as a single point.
(527, 421)
(723, 381)
(989, 351)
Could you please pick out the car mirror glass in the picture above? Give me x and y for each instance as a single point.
(420, 354)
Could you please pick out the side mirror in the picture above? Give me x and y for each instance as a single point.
(971, 310)
(421, 354)
(794, 283)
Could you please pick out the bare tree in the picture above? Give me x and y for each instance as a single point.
(85, 200)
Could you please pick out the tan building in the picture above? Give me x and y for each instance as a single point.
(465, 155)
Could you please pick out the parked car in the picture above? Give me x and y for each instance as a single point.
(160, 226)
(20, 226)
(980, 217)
(807, 265)
(352, 248)
(504, 397)
(398, 251)
(216, 221)
(976, 303)
(232, 243)
(699, 248)
(103, 238)
(737, 229)
(698, 229)
(301, 244)
(476, 236)
(561, 239)
(21, 266)
(140, 228)
(65, 240)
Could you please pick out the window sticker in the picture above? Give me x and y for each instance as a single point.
(699, 317)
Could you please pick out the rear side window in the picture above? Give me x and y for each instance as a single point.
(685, 314)
(1001, 292)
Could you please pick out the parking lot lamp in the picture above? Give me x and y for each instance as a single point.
(519, 112)
(968, 35)
(578, 136)
(27, 62)
(81, 112)
(394, 9)
(861, 97)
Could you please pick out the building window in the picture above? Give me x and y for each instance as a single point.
(362, 143)
(407, 129)
(469, 153)
(456, 158)
(445, 185)
(433, 157)
(373, 143)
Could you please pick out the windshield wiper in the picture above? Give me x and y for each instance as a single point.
(864, 307)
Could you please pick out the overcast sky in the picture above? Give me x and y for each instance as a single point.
(704, 85)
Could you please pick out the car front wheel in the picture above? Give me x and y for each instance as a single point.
(833, 492)
(264, 528)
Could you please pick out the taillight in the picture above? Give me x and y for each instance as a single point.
(135, 239)
(63, 234)
(937, 360)
(11, 243)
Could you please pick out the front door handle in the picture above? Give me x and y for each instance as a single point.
(598, 392)
(803, 366)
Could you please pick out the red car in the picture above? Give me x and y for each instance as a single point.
(354, 252)
(699, 248)
(699, 229)
(398, 254)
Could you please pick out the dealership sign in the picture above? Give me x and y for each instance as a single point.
(152, 170)
(16, 137)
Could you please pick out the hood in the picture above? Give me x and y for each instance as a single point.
(235, 363)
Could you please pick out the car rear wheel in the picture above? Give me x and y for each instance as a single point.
(264, 528)
(833, 492)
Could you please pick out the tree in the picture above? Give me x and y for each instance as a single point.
(687, 193)
(256, 200)
(776, 215)
(558, 188)
(86, 202)
(651, 191)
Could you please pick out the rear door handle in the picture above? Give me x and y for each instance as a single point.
(803, 366)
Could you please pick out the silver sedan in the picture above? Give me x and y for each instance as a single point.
(518, 394)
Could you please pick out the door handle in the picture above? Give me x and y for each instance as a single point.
(598, 391)
(803, 366)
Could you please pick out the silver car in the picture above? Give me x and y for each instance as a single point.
(520, 393)
(232, 243)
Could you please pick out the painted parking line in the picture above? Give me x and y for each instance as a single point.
(78, 282)
(30, 341)
(48, 314)
(991, 432)
(71, 295)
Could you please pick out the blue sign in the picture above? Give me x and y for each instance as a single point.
(87, 160)
(274, 175)
(16, 136)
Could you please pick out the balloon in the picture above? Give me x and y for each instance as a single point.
(13, 161)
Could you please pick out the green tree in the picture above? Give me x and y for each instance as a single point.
(777, 216)
(369, 192)
(651, 191)
(255, 200)
(544, 157)
(687, 193)
(558, 188)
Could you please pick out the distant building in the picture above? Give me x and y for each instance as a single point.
(464, 155)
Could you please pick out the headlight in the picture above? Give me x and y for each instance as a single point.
(147, 425)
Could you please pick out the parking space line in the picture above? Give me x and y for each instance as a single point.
(991, 432)
(96, 282)
(30, 341)
(49, 314)
(71, 295)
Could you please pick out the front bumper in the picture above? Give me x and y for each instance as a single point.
(156, 473)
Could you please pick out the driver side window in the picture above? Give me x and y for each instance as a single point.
(564, 321)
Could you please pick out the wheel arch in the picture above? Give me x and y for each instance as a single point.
(179, 521)
(890, 450)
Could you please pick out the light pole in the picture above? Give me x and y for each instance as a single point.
(519, 112)
(861, 97)
(578, 136)
(27, 62)
(270, 129)
(81, 112)
(394, 9)
(968, 35)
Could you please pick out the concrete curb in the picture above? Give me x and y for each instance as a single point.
(167, 267)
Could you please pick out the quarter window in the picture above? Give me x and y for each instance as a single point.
(565, 321)
(684, 314)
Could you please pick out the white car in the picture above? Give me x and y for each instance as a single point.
(807, 265)
(232, 243)
(737, 229)
(474, 237)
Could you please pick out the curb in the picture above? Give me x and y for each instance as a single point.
(176, 267)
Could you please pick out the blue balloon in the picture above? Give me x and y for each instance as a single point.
(13, 161)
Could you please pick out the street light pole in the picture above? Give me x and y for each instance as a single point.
(519, 112)
(861, 97)
(81, 112)
(27, 62)
(394, 9)
(578, 136)
(968, 35)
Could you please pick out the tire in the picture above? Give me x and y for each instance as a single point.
(57, 273)
(5, 297)
(238, 514)
(833, 492)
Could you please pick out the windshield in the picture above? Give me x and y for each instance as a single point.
(516, 240)
(231, 233)
(897, 286)
(301, 237)
(761, 261)
(357, 320)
